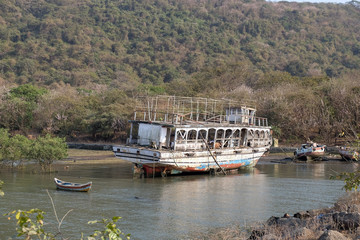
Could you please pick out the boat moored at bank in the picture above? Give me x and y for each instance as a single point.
(310, 151)
(349, 154)
(180, 134)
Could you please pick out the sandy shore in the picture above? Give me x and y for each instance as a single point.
(81, 156)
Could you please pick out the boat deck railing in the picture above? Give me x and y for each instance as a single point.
(173, 119)
(184, 110)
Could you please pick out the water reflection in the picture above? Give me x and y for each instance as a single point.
(173, 207)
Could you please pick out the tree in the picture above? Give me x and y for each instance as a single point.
(13, 149)
(27, 92)
(45, 150)
(17, 109)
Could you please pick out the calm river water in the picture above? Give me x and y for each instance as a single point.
(174, 207)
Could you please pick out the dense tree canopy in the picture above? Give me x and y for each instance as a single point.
(84, 42)
(300, 61)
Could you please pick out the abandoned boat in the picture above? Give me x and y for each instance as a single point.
(310, 151)
(349, 154)
(171, 134)
(69, 186)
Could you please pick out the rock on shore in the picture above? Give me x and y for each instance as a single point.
(340, 222)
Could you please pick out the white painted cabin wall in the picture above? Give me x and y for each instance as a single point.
(149, 133)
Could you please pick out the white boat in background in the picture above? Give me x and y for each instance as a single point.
(310, 151)
(349, 154)
(181, 134)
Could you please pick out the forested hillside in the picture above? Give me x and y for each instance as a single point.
(85, 60)
(156, 41)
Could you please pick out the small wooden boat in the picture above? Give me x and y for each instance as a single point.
(349, 154)
(310, 151)
(76, 187)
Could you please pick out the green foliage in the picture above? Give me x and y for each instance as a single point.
(45, 150)
(13, 149)
(149, 89)
(276, 131)
(110, 231)
(157, 42)
(27, 92)
(295, 59)
(352, 180)
(18, 108)
(30, 224)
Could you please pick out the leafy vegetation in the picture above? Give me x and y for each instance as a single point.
(17, 149)
(155, 42)
(47, 149)
(30, 225)
(73, 68)
(110, 231)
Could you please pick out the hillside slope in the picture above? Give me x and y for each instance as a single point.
(125, 43)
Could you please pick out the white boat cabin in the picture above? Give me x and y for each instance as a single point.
(196, 128)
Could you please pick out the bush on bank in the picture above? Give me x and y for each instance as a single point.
(17, 149)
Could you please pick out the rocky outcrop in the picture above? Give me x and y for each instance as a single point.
(332, 235)
(346, 221)
(321, 224)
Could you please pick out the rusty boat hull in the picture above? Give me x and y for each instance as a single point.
(153, 161)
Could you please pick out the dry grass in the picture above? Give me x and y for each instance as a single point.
(86, 153)
(348, 203)
(233, 233)
(81, 156)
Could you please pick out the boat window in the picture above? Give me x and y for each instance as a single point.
(262, 134)
(243, 136)
(220, 133)
(181, 136)
(228, 133)
(211, 137)
(236, 139)
(236, 134)
(192, 135)
(228, 142)
(219, 138)
(202, 134)
(250, 134)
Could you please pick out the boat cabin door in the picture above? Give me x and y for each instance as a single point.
(170, 137)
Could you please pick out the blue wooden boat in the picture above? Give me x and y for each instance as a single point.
(69, 186)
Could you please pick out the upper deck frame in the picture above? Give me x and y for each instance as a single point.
(182, 110)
